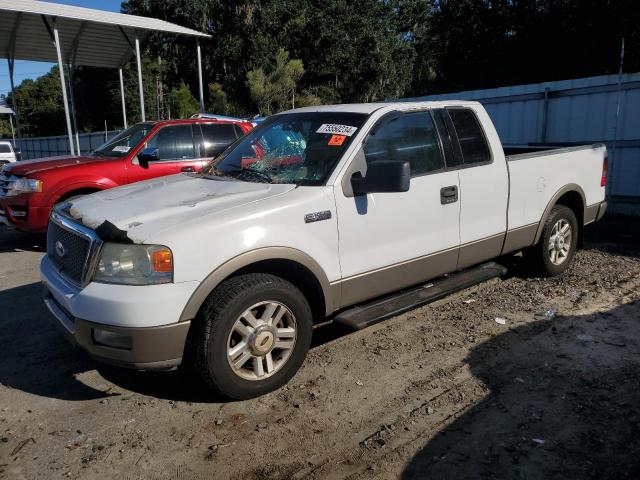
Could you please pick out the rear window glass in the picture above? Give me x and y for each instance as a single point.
(470, 135)
(217, 137)
(4, 148)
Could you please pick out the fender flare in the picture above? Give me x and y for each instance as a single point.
(228, 268)
(571, 187)
(82, 185)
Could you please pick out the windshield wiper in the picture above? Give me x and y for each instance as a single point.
(256, 173)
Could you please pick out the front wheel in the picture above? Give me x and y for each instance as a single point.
(251, 336)
(553, 254)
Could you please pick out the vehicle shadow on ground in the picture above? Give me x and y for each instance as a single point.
(13, 241)
(563, 402)
(35, 358)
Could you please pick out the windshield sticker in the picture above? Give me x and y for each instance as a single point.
(121, 148)
(337, 140)
(337, 129)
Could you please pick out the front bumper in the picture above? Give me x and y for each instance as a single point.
(148, 321)
(16, 212)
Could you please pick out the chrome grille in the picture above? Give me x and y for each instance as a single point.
(72, 248)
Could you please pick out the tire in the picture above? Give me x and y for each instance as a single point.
(553, 254)
(224, 334)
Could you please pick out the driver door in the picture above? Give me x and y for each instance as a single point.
(176, 146)
(389, 241)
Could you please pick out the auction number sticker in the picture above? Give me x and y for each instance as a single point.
(336, 129)
(121, 148)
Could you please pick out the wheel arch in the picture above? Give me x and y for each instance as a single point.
(288, 263)
(571, 196)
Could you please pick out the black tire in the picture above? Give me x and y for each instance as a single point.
(208, 343)
(538, 257)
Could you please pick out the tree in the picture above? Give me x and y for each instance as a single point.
(183, 102)
(275, 90)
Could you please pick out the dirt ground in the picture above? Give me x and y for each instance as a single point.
(444, 391)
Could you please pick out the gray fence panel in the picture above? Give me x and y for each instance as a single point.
(41, 147)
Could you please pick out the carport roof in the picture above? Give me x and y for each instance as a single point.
(89, 37)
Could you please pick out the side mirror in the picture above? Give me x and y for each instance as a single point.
(382, 176)
(18, 153)
(146, 155)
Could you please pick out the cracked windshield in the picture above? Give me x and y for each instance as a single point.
(299, 148)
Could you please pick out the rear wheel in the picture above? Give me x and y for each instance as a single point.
(251, 336)
(555, 250)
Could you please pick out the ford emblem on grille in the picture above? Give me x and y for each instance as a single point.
(60, 250)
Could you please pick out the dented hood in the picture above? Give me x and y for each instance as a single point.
(145, 208)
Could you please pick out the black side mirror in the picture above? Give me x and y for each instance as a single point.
(18, 153)
(146, 155)
(382, 176)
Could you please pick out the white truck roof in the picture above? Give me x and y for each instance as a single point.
(369, 108)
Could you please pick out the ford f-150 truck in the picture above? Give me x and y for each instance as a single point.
(349, 213)
(30, 189)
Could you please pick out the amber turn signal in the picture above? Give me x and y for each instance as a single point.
(162, 261)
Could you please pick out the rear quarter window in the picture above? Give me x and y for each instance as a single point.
(217, 137)
(4, 148)
(473, 143)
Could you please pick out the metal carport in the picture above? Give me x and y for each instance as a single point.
(63, 34)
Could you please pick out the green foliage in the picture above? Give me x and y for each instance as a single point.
(342, 52)
(39, 103)
(183, 102)
(5, 128)
(274, 90)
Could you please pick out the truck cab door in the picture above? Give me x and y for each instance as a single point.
(484, 185)
(388, 241)
(176, 148)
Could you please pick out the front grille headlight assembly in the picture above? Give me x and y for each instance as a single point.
(130, 264)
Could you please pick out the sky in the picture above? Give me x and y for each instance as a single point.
(25, 69)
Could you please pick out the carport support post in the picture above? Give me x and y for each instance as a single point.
(124, 107)
(64, 89)
(142, 114)
(14, 102)
(73, 109)
(200, 76)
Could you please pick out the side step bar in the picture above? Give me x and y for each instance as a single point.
(368, 314)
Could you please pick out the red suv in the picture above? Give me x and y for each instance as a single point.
(30, 189)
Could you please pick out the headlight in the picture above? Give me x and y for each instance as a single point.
(134, 264)
(22, 185)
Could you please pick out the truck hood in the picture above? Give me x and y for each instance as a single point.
(146, 208)
(38, 165)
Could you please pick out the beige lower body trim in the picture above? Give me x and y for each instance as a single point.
(591, 213)
(520, 237)
(480, 250)
(372, 284)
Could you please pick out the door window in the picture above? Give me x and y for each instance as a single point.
(470, 135)
(216, 138)
(4, 148)
(173, 143)
(408, 137)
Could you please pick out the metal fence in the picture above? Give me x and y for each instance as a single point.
(38, 147)
(604, 109)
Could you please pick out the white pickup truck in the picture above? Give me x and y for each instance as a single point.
(339, 213)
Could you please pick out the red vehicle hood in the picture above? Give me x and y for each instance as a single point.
(27, 167)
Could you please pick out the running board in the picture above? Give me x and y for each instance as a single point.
(368, 314)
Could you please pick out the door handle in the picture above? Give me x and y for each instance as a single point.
(449, 194)
(188, 169)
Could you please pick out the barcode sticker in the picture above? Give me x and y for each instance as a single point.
(337, 129)
(121, 148)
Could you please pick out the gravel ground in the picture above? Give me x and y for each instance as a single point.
(443, 391)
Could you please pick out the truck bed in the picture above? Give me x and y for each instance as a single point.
(538, 175)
